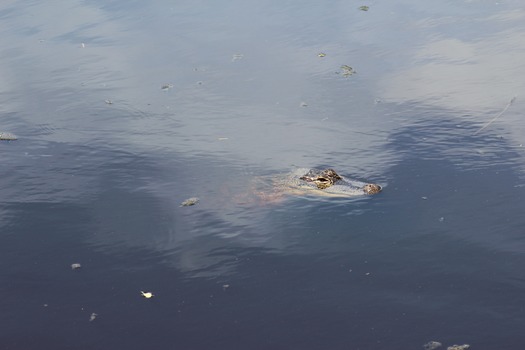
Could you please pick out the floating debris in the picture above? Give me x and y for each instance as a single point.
(321, 54)
(304, 104)
(109, 102)
(364, 8)
(431, 345)
(75, 266)
(347, 71)
(7, 136)
(92, 317)
(225, 286)
(166, 87)
(83, 45)
(222, 138)
(458, 347)
(424, 198)
(147, 295)
(189, 202)
(237, 56)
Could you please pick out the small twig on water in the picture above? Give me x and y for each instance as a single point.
(496, 117)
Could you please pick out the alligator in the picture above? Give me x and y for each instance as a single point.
(334, 183)
(312, 182)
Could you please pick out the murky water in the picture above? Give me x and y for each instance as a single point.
(125, 109)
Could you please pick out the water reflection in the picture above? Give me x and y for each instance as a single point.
(234, 110)
(236, 100)
(101, 184)
(463, 63)
(441, 184)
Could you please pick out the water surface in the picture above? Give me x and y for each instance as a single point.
(105, 156)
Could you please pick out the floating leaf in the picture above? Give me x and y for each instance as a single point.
(458, 347)
(147, 295)
(7, 136)
(431, 345)
(189, 202)
(347, 70)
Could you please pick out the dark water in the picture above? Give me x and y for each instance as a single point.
(105, 157)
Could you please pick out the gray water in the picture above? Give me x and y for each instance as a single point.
(124, 109)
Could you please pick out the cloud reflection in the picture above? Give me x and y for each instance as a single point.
(451, 69)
